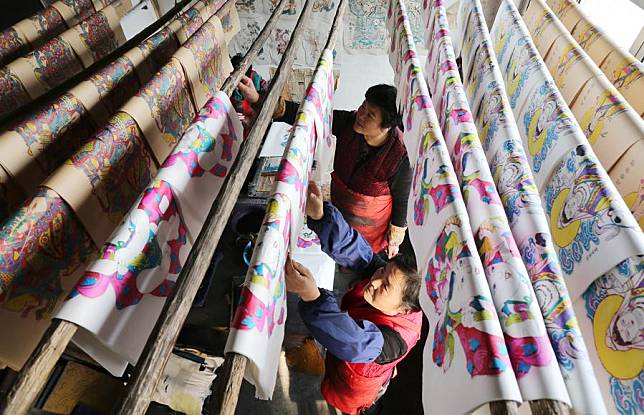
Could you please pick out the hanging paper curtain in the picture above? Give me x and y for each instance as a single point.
(502, 144)
(607, 120)
(35, 146)
(120, 296)
(33, 31)
(594, 234)
(537, 371)
(62, 57)
(465, 348)
(622, 69)
(258, 325)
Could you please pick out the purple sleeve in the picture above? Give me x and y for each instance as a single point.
(340, 241)
(354, 341)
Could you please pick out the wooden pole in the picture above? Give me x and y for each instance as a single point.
(548, 407)
(225, 393)
(159, 346)
(33, 377)
(504, 408)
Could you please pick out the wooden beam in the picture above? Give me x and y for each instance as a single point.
(225, 388)
(504, 408)
(33, 377)
(161, 342)
(548, 407)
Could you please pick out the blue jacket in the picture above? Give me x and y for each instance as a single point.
(354, 341)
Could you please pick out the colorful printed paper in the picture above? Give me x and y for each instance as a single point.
(104, 177)
(205, 59)
(515, 183)
(43, 251)
(610, 314)
(163, 109)
(258, 325)
(465, 346)
(628, 177)
(627, 75)
(120, 296)
(547, 127)
(537, 372)
(592, 228)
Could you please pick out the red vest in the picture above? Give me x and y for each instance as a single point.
(371, 178)
(351, 387)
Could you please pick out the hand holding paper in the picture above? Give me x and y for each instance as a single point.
(300, 281)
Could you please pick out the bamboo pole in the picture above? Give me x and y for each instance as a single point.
(504, 408)
(159, 346)
(226, 387)
(548, 407)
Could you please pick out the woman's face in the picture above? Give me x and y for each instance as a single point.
(385, 290)
(369, 120)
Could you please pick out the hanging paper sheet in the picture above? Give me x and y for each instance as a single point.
(205, 60)
(628, 177)
(163, 109)
(229, 19)
(591, 226)
(43, 248)
(521, 320)
(120, 296)
(546, 125)
(610, 313)
(627, 75)
(609, 123)
(465, 345)
(34, 147)
(515, 183)
(258, 325)
(104, 177)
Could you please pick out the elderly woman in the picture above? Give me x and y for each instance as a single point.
(372, 175)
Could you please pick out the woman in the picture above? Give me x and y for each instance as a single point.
(372, 175)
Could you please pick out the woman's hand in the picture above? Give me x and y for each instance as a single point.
(395, 238)
(300, 281)
(247, 89)
(314, 202)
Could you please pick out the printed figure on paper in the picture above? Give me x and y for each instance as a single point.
(207, 54)
(365, 29)
(135, 248)
(431, 190)
(117, 165)
(615, 305)
(528, 343)
(627, 72)
(12, 92)
(97, 35)
(545, 122)
(552, 295)
(449, 269)
(54, 62)
(490, 115)
(606, 106)
(580, 208)
(42, 244)
(115, 83)
(169, 101)
(516, 187)
(522, 64)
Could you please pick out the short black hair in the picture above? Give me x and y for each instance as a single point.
(413, 281)
(384, 97)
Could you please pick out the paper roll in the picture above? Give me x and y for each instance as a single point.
(628, 176)
(627, 75)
